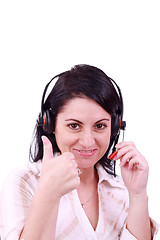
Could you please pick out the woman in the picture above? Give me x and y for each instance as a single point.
(71, 191)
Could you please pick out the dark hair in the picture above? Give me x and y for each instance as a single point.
(81, 81)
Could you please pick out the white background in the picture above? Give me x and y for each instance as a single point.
(39, 39)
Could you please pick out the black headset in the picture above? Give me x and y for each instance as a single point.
(119, 124)
(45, 120)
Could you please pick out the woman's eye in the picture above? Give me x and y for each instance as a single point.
(74, 126)
(100, 126)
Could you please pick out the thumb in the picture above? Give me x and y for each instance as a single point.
(47, 148)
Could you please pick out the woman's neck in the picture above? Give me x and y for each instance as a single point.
(88, 176)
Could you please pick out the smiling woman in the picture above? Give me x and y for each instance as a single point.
(82, 81)
(86, 137)
(70, 189)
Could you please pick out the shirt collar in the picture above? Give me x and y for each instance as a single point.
(108, 178)
(104, 177)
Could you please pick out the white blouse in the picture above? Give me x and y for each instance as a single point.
(72, 222)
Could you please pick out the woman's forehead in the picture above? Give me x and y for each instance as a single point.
(81, 107)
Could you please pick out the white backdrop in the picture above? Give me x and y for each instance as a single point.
(40, 39)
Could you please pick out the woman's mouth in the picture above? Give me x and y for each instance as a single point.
(90, 152)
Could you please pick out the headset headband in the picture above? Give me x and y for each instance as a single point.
(41, 121)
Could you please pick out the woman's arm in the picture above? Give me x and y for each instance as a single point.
(58, 177)
(134, 170)
(41, 221)
(138, 221)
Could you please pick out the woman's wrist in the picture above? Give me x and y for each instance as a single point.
(45, 194)
(138, 197)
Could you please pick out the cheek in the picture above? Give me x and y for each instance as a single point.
(105, 144)
(105, 141)
(64, 141)
(59, 136)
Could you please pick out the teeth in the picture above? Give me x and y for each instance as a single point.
(85, 151)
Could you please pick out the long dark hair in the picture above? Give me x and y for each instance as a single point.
(81, 81)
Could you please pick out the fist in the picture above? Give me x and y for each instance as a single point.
(59, 174)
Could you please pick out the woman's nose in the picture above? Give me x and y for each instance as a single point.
(87, 138)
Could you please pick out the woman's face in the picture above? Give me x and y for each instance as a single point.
(83, 127)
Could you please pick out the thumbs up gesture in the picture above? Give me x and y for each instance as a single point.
(59, 174)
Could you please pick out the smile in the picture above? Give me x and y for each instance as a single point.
(85, 152)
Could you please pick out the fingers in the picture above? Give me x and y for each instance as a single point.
(126, 154)
(124, 149)
(67, 177)
(59, 174)
(129, 156)
(47, 148)
(68, 155)
(134, 163)
(124, 144)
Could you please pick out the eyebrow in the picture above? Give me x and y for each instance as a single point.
(72, 119)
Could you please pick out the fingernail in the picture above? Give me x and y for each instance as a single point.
(56, 154)
(117, 145)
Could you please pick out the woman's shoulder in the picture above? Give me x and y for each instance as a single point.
(23, 175)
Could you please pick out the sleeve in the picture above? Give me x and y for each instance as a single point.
(155, 228)
(15, 202)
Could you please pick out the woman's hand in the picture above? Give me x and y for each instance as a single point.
(134, 168)
(59, 174)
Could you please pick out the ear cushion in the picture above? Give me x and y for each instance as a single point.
(47, 123)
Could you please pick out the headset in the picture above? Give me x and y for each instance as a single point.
(45, 119)
(46, 122)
